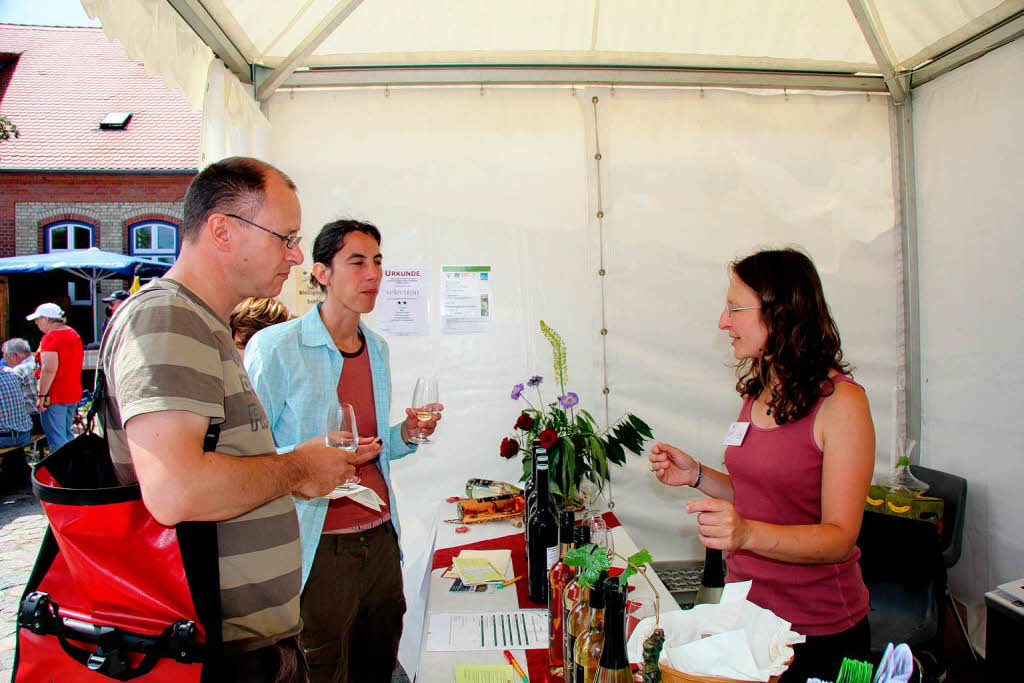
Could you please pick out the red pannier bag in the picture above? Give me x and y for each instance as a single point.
(114, 594)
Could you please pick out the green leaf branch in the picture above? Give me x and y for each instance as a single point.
(593, 559)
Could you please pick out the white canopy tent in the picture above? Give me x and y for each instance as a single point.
(469, 133)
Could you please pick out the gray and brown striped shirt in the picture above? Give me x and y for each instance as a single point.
(166, 350)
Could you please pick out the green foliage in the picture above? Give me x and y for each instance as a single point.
(558, 354)
(592, 560)
(904, 461)
(583, 449)
(8, 129)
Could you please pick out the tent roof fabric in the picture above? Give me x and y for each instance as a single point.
(821, 35)
(62, 82)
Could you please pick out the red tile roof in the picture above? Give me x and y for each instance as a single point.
(65, 81)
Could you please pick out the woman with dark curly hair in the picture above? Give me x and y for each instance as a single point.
(789, 509)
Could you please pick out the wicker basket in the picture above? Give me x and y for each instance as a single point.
(670, 675)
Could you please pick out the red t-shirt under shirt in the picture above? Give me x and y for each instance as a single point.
(67, 383)
(355, 386)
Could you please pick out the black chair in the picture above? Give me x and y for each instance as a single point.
(904, 563)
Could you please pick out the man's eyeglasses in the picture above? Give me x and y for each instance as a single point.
(290, 241)
(729, 310)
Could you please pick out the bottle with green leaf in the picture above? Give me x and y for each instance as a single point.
(592, 560)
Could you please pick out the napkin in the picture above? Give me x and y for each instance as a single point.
(733, 639)
(359, 494)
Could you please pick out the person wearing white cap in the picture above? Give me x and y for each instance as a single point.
(60, 374)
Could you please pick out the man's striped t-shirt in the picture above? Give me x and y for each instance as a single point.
(165, 349)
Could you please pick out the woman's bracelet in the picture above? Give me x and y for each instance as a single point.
(700, 475)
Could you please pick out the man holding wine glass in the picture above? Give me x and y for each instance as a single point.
(352, 600)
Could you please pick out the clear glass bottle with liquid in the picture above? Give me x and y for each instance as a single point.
(558, 578)
(587, 651)
(577, 620)
(571, 597)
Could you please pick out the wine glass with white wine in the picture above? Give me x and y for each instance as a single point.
(342, 431)
(424, 404)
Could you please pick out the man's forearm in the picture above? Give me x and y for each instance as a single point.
(217, 486)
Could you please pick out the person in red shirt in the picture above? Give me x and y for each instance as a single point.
(60, 374)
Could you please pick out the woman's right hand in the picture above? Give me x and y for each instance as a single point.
(673, 466)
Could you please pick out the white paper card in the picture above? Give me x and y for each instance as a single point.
(466, 301)
(359, 494)
(454, 631)
(403, 302)
(737, 430)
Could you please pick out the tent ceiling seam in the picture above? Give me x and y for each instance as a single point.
(331, 21)
(210, 32)
(878, 43)
(561, 74)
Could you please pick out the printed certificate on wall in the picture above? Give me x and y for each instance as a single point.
(466, 299)
(403, 302)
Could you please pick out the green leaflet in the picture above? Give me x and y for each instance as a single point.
(558, 353)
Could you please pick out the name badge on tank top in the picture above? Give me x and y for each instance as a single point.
(734, 437)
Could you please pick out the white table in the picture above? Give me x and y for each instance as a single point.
(437, 667)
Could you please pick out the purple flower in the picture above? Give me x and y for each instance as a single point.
(569, 400)
(517, 391)
(534, 381)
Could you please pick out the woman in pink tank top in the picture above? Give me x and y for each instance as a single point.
(789, 509)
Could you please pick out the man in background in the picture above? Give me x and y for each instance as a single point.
(59, 372)
(15, 426)
(18, 356)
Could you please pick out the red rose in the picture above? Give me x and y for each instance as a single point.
(509, 448)
(525, 422)
(548, 438)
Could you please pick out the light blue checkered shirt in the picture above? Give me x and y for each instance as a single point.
(14, 415)
(295, 367)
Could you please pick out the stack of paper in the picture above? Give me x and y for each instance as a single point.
(480, 566)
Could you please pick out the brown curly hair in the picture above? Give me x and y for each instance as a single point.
(803, 343)
(255, 313)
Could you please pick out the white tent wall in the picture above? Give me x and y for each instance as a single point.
(506, 177)
(970, 166)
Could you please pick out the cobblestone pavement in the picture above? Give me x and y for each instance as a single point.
(22, 524)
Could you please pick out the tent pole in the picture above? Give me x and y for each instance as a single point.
(901, 117)
(341, 11)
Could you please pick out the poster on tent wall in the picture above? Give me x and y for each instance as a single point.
(307, 295)
(466, 299)
(403, 302)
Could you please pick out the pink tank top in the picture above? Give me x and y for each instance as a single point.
(776, 478)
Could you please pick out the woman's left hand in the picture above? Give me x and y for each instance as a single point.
(718, 523)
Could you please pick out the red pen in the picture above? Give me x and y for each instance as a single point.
(515, 665)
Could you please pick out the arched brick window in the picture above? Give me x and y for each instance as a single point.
(69, 236)
(157, 240)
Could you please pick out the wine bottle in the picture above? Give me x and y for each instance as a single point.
(558, 578)
(587, 651)
(543, 538)
(571, 598)
(614, 665)
(531, 496)
(712, 581)
(577, 620)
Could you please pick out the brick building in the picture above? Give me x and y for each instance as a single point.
(104, 156)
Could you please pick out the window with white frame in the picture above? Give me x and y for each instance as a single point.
(156, 240)
(69, 236)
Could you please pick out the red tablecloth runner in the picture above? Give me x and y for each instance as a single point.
(536, 660)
